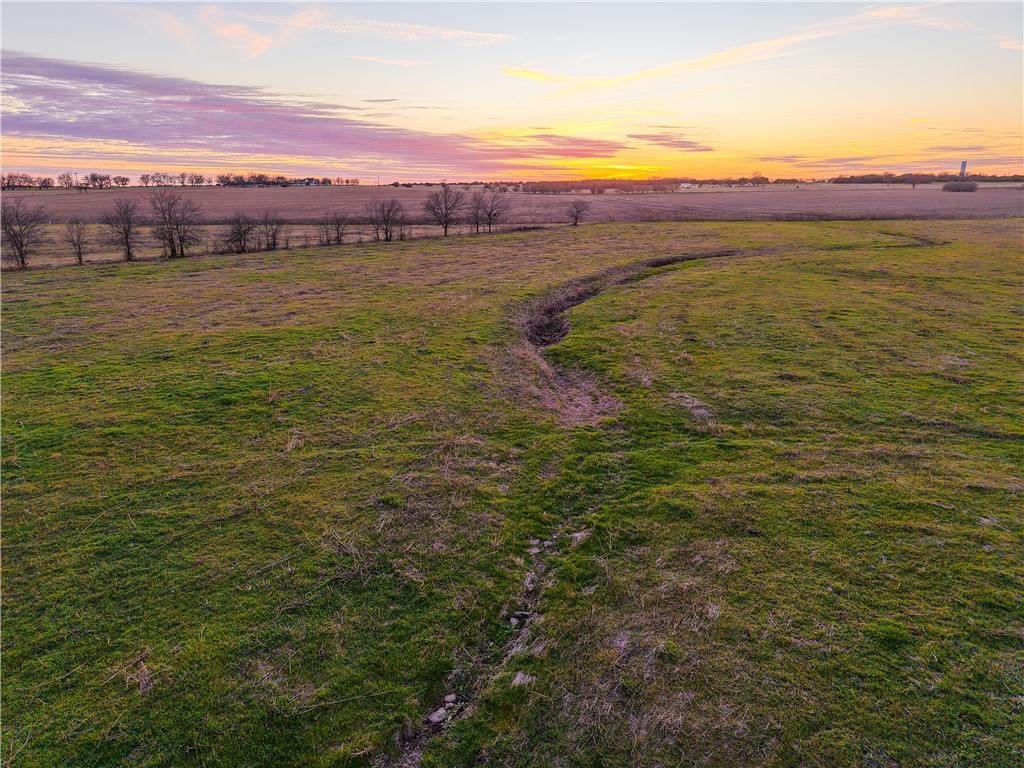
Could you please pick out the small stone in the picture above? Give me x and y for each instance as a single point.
(534, 550)
(514, 621)
(451, 698)
(547, 543)
(522, 614)
(534, 542)
(438, 715)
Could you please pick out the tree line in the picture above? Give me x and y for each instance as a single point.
(177, 223)
(918, 178)
(94, 180)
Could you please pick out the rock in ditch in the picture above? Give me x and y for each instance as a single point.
(451, 698)
(437, 716)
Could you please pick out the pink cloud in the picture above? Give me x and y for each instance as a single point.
(66, 101)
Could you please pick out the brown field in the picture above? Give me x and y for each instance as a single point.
(302, 206)
(305, 204)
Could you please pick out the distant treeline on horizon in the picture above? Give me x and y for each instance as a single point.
(16, 180)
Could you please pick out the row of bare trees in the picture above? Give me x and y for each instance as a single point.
(177, 223)
(483, 207)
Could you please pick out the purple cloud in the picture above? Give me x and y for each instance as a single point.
(782, 158)
(162, 115)
(671, 141)
(972, 148)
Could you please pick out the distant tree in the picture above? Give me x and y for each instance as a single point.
(74, 235)
(145, 179)
(386, 217)
(125, 225)
(21, 226)
(66, 180)
(757, 178)
(497, 205)
(121, 181)
(16, 180)
(240, 235)
(475, 210)
(444, 206)
(177, 222)
(46, 183)
(577, 210)
(98, 180)
(271, 229)
(339, 223)
(331, 228)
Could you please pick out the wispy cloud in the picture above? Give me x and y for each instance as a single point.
(390, 62)
(671, 141)
(236, 33)
(1005, 41)
(923, 15)
(319, 19)
(762, 50)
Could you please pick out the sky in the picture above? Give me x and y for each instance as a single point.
(485, 91)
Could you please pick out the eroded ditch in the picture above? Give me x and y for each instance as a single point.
(541, 323)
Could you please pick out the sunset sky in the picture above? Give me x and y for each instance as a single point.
(464, 91)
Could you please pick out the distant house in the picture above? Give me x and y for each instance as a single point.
(686, 185)
(311, 182)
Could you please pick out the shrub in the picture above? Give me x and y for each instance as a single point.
(960, 186)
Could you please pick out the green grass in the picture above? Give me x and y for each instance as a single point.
(268, 510)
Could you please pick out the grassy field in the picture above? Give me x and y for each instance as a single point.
(761, 508)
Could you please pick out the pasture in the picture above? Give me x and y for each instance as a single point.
(651, 494)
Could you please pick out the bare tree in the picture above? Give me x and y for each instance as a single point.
(240, 235)
(387, 217)
(577, 210)
(443, 207)
(496, 207)
(476, 208)
(339, 223)
(331, 228)
(177, 222)
(98, 180)
(66, 180)
(21, 229)
(74, 235)
(125, 225)
(121, 181)
(271, 229)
